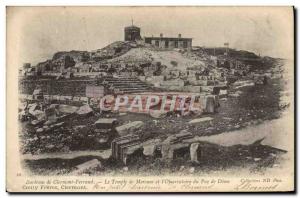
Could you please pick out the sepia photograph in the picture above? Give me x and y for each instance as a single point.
(150, 99)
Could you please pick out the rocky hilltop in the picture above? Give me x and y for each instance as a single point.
(140, 59)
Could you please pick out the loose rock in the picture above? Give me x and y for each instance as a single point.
(200, 120)
(86, 165)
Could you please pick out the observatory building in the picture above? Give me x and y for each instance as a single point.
(132, 33)
(170, 42)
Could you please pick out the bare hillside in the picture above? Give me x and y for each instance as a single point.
(171, 59)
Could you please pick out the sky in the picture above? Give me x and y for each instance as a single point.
(38, 32)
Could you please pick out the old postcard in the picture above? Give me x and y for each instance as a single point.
(150, 99)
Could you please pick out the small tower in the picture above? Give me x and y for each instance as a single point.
(226, 45)
(132, 33)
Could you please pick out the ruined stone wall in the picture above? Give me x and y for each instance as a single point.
(57, 87)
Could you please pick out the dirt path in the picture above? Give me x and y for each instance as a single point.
(272, 132)
(105, 154)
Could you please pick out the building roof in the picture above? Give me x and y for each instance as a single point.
(132, 27)
(167, 38)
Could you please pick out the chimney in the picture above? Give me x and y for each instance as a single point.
(179, 35)
(161, 35)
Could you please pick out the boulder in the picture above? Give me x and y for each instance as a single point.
(210, 105)
(103, 140)
(194, 152)
(39, 115)
(37, 122)
(103, 131)
(32, 107)
(85, 110)
(37, 92)
(50, 111)
(40, 130)
(129, 127)
(51, 115)
(22, 116)
(192, 170)
(34, 110)
(245, 83)
(68, 109)
(46, 128)
(197, 112)
(223, 93)
(150, 146)
(179, 137)
(23, 105)
(157, 114)
(56, 126)
(236, 94)
(106, 123)
(51, 119)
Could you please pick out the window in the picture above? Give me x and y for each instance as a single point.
(184, 44)
(156, 43)
(167, 44)
(176, 44)
(148, 40)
